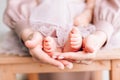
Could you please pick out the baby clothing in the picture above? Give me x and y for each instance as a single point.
(107, 19)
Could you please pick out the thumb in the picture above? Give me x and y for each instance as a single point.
(36, 38)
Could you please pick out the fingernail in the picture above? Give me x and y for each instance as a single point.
(69, 66)
(60, 57)
(54, 56)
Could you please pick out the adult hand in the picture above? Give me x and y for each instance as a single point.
(80, 56)
(35, 48)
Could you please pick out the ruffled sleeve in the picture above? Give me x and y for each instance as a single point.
(107, 16)
(17, 14)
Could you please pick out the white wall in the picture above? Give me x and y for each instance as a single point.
(3, 27)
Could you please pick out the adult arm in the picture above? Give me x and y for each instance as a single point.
(16, 16)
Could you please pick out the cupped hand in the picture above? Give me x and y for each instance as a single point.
(76, 57)
(34, 44)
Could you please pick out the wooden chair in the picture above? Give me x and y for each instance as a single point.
(104, 60)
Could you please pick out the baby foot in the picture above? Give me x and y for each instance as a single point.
(94, 42)
(49, 45)
(75, 39)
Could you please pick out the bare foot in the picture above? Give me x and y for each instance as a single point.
(74, 41)
(49, 45)
(94, 41)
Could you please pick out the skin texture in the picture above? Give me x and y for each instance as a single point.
(35, 43)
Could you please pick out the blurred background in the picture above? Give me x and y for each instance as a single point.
(3, 27)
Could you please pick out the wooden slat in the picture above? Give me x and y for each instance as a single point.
(97, 75)
(109, 54)
(6, 74)
(45, 68)
(101, 55)
(115, 70)
(10, 65)
(15, 59)
(33, 76)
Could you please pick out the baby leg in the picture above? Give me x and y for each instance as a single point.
(94, 41)
(74, 41)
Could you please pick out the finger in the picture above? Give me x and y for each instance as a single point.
(56, 54)
(67, 64)
(43, 57)
(49, 60)
(48, 50)
(54, 62)
(35, 40)
(77, 55)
